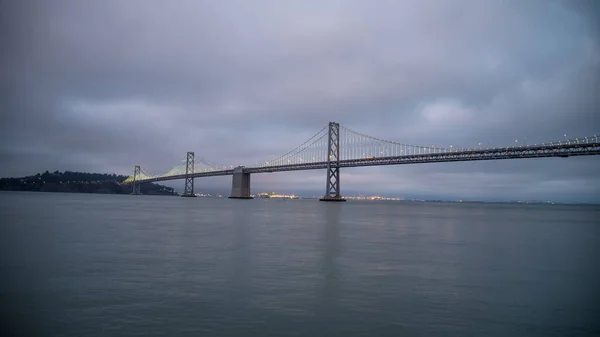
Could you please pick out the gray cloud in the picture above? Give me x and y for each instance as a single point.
(102, 86)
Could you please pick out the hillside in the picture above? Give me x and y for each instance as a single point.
(79, 182)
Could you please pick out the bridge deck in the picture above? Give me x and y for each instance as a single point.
(542, 151)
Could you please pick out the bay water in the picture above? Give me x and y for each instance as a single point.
(121, 265)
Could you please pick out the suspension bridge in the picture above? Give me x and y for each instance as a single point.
(335, 147)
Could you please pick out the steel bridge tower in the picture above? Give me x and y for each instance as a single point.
(332, 188)
(136, 178)
(189, 180)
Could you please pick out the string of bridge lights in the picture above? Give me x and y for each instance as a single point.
(353, 145)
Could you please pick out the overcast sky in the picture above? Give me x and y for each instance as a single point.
(101, 86)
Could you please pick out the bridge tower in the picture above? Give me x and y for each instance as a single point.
(136, 178)
(189, 180)
(332, 188)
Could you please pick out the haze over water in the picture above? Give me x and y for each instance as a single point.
(110, 265)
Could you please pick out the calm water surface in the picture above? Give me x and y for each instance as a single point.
(110, 265)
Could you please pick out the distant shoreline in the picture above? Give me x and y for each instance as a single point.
(351, 200)
(354, 199)
(102, 183)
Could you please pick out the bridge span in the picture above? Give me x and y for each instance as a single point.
(335, 147)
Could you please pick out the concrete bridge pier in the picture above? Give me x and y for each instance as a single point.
(240, 187)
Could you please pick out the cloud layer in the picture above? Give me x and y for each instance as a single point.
(101, 86)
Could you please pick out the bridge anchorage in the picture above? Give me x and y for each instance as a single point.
(240, 188)
(335, 147)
